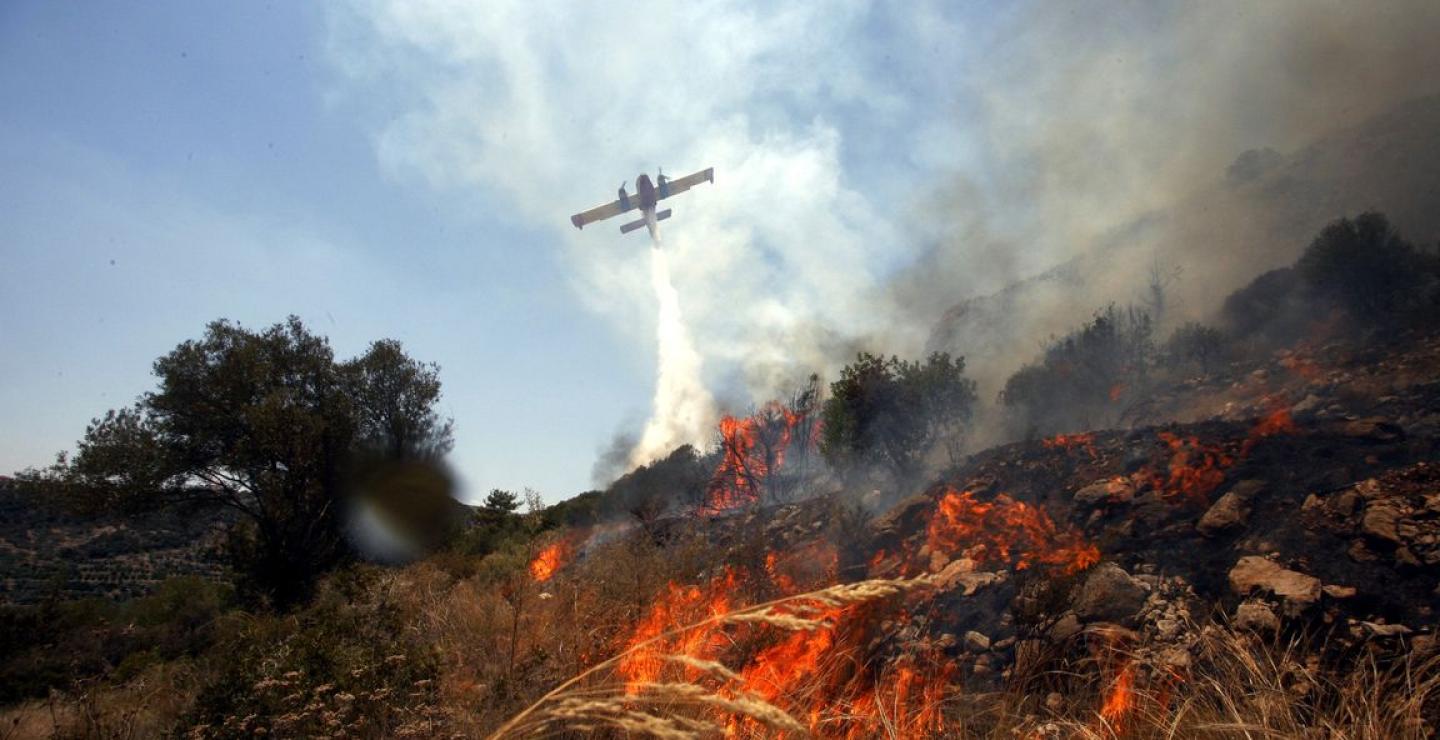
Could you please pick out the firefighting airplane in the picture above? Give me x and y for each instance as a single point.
(645, 199)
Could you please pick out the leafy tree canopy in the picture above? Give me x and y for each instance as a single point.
(267, 423)
(891, 412)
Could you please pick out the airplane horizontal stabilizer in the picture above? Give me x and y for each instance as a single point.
(633, 225)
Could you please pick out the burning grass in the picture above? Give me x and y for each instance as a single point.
(1004, 532)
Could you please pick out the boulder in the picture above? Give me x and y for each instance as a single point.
(1228, 513)
(976, 642)
(1064, 628)
(1110, 595)
(903, 517)
(1247, 490)
(1110, 489)
(1257, 618)
(1373, 429)
(1306, 405)
(1253, 572)
(1381, 521)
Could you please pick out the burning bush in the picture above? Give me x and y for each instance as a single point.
(763, 457)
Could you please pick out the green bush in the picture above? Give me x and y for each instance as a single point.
(890, 413)
(1365, 267)
(1083, 380)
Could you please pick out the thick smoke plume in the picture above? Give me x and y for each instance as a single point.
(878, 166)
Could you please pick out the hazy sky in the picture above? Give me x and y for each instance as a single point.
(166, 164)
(406, 169)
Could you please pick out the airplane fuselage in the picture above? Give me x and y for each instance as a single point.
(645, 191)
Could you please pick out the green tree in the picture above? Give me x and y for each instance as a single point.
(1364, 266)
(1195, 343)
(890, 413)
(501, 502)
(266, 423)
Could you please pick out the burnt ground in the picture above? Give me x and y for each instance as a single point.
(1299, 496)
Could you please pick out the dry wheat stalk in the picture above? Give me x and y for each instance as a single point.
(616, 707)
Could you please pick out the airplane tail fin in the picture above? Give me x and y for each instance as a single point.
(633, 225)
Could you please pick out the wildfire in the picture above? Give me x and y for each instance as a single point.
(752, 448)
(1005, 531)
(678, 605)
(816, 675)
(1301, 366)
(550, 560)
(1116, 391)
(1069, 442)
(1120, 701)
(1194, 471)
(1277, 421)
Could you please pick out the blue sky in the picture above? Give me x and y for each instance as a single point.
(168, 165)
(405, 169)
(165, 164)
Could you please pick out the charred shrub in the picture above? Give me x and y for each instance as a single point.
(1083, 378)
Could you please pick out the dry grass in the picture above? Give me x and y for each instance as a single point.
(1236, 686)
(655, 708)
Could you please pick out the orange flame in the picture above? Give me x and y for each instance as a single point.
(1005, 531)
(1278, 421)
(1070, 442)
(677, 605)
(551, 559)
(752, 448)
(1194, 470)
(1120, 701)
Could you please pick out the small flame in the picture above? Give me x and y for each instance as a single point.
(551, 559)
(1278, 421)
(1069, 442)
(1194, 471)
(1120, 701)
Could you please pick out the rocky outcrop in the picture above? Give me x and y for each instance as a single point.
(1254, 573)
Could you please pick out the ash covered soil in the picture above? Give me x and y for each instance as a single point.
(1296, 499)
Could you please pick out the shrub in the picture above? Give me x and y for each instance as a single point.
(1195, 344)
(1365, 267)
(1082, 379)
(890, 413)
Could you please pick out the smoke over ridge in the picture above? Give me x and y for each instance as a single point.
(876, 165)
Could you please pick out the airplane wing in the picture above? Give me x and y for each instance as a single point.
(600, 213)
(680, 185)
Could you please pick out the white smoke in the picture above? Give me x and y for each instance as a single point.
(683, 411)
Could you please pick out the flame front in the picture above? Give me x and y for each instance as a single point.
(1005, 531)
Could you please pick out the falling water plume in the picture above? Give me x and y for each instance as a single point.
(684, 410)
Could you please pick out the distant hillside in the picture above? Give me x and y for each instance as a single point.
(44, 553)
(1257, 214)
